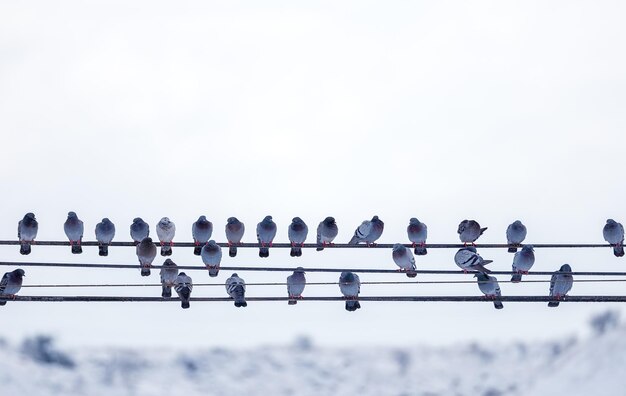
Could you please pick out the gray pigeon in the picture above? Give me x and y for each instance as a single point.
(468, 259)
(201, 231)
(169, 273)
(27, 232)
(139, 230)
(418, 232)
(183, 286)
(369, 231)
(212, 257)
(297, 234)
(265, 233)
(522, 262)
(469, 231)
(403, 257)
(295, 285)
(105, 231)
(560, 284)
(614, 234)
(236, 289)
(234, 232)
(515, 234)
(74, 228)
(166, 229)
(490, 288)
(11, 284)
(350, 286)
(146, 252)
(326, 232)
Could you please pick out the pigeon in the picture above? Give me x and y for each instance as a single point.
(297, 233)
(469, 231)
(27, 232)
(183, 286)
(490, 288)
(146, 252)
(326, 232)
(369, 231)
(234, 233)
(417, 232)
(236, 289)
(139, 230)
(211, 257)
(468, 259)
(265, 233)
(560, 284)
(169, 273)
(522, 262)
(166, 229)
(515, 234)
(201, 231)
(295, 285)
(105, 231)
(350, 287)
(74, 231)
(614, 234)
(403, 257)
(11, 284)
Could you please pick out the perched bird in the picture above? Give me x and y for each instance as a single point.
(201, 231)
(183, 286)
(469, 231)
(326, 232)
(403, 257)
(211, 257)
(297, 233)
(614, 234)
(105, 231)
(560, 284)
(265, 233)
(166, 229)
(74, 228)
(369, 231)
(236, 289)
(11, 284)
(468, 259)
(418, 232)
(139, 230)
(295, 285)
(522, 262)
(234, 232)
(27, 232)
(146, 252)
(169, 273)
(350, 287)
(490, 288)
(515, 234)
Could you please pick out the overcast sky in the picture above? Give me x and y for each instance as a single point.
(444, 111)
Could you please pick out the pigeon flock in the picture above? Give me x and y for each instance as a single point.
(368, 232)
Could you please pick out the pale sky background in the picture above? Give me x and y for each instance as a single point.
(489, 110)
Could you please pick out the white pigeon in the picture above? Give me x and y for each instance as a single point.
(468, 259)
(166, 229)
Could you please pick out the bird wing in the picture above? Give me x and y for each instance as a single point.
(4, 282)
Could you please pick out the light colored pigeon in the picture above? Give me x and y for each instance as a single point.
(169, 273)
(166, 229)
(326, 232)
(201, 231)
(490, 288)
(295, 285)
(234, 232)
(522, 262)
(27, 232)
(468, 259)
(236, 289)
(560, 284)
(146, 252)
(350, 286)
(417, 232)
(265, 233)
(139, 230)
(183, 286)
(297, 234)
(105, 231)
(469, 231)
(369, 231)
(614, 234)
(403, 257)
(515, 234)
(11, 284)
(74, 229)
(212, 257)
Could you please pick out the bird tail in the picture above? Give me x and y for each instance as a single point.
(184, 304)
(354, 240)
(512, 250)
(232, 251)
(103, 250)
(167, 291)
(319, 248)
(213, 271)
(166, 250)
(618, 251)
(498, 305)
(184, 295)
(411, 273)
(421, 251)
(479, 267)
(239, 296)
(197, 250)
(483, 230)
(516, 278)
(145, 271)
(25, 248)
(295, 251)
(264, 252)
(292, 302)
(553, 304)
(3, 303)
(77, 249)
(352, 305)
